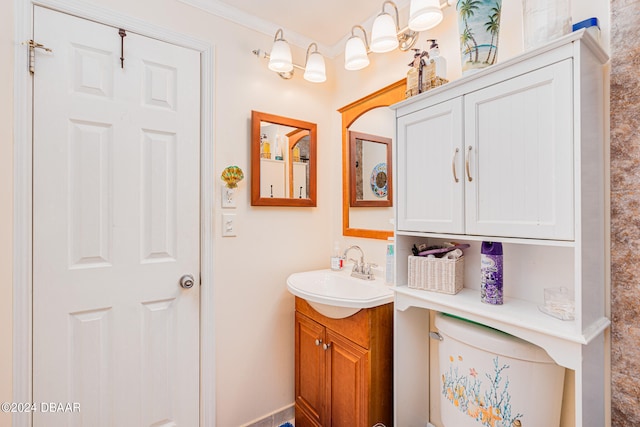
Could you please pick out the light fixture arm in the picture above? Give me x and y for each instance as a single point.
(262, 54)
(314, 45)
(275, 38)
(366, 40)
(396, 10)
(285, 75)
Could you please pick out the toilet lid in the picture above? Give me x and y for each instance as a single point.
(488, 339)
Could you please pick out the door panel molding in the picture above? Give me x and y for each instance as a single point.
(23, 195)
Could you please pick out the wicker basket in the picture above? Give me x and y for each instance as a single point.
(436, 274)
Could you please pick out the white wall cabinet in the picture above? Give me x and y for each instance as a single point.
(515, 153)
(430, 157)
(507, 170)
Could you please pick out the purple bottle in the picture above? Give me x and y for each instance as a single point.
(491, 273)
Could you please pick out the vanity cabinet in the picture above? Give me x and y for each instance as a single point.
(505, 170)
(515, 153)
(343, 368)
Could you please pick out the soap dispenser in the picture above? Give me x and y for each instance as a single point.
(439, 61)
(413, 87)
(337, 260)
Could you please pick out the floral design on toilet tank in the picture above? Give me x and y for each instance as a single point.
(484, 397)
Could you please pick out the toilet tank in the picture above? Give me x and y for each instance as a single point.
(490, 378)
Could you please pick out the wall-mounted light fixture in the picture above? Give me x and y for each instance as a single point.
(356, 50)
(280, 60)
(386, 34)
(314, 68)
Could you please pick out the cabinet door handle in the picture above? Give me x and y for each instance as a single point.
(318, 341)
(453, 165)
(469, 148)
(326, 346)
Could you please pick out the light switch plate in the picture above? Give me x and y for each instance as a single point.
(228, 225)
(228, 197)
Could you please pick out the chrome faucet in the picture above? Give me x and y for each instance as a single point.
(361, 269)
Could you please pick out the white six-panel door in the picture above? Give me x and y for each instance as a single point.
(115, 226)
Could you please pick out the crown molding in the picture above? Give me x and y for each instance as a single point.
(235, 15)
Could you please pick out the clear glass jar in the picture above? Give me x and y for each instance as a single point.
(544, 21)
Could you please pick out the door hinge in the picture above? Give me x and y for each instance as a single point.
(32, 53)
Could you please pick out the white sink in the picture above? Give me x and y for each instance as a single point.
(336, 294)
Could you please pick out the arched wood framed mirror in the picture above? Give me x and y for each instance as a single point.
(364, 116)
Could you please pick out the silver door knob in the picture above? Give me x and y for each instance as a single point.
(187, 281)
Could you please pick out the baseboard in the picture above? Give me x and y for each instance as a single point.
(274, 419)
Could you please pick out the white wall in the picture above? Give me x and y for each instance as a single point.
(254, 312)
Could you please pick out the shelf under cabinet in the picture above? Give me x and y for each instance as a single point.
(457, 237)
(517, 317)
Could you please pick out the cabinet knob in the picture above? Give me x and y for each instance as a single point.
(326, 346)
(318, 341)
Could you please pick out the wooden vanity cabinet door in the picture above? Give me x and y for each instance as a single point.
(347, 376)
(350, 382)
(310, 386)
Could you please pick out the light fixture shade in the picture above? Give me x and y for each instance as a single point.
(355, 54)
(315, 70)
(424, 14)
(280, 57)
(384, 36)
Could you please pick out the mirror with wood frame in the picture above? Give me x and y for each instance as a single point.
(283, 161)
(371, 116)
(371, 170)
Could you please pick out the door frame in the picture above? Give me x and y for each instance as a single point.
(23, 194)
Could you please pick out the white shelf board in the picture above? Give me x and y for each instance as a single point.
(458, 237)
(515, 316)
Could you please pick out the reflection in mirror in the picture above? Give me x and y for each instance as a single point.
(282, 161)
(280, 166)
(299, 163)
(369, 115)
(371, 170)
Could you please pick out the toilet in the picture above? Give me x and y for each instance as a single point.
(490, 378)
